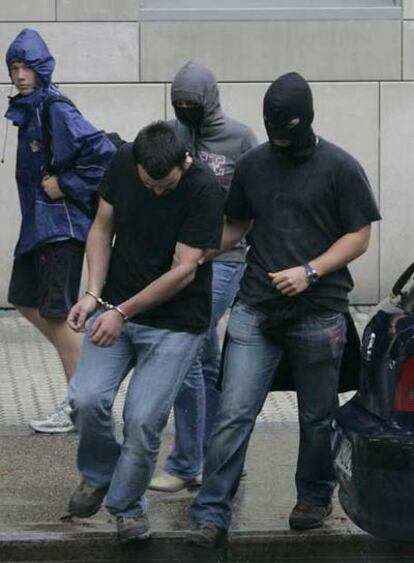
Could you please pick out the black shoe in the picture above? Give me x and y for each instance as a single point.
(306, 516)
(132, 528)
(86, 500)
(207, 535)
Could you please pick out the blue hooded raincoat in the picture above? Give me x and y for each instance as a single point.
(80, 154)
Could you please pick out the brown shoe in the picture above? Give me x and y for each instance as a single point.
(305, 516)
(133, 528)
(207, 535)
(86, 500)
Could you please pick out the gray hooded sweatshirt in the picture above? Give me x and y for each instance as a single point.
(220, 141)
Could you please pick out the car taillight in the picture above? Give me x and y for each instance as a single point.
(404, 394)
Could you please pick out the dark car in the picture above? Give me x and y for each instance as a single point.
(374, 445)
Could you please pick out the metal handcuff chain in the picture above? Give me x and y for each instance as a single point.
(108, 306)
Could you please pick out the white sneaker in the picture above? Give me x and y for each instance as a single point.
(57, 423)
(167, 483)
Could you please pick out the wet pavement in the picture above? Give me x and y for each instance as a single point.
(38, 474)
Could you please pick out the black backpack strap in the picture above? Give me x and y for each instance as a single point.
(47, 137)
(46, 125)
(402, 280)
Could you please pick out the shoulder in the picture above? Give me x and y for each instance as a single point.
(57, 103)
(203, 181)
(255, 156)
(238, 130)
(200, 174)
(337, 157)
(123, 157)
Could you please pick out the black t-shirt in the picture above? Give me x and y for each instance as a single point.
(299, 211)
(147, 228)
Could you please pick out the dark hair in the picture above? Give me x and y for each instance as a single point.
(158, 149)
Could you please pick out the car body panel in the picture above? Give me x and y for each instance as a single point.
(374, 442)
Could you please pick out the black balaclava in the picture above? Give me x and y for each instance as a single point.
(289, 97)
(190, 116)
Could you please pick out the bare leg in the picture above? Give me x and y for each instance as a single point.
(67, 342)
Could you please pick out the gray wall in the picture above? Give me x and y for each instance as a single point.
(118, 69)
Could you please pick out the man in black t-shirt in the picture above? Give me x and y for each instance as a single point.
(158, 212)
(308, 205)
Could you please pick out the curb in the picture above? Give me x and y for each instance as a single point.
(89, 543)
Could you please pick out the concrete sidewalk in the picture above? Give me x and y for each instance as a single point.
(38, 474)
(33, 383)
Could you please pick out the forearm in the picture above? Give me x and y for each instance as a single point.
(342, 252)
(160, 290)
(233, 232)
(98, 254)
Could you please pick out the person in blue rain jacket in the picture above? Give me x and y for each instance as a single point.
(61, 158)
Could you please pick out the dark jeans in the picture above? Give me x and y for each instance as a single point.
(314, 345)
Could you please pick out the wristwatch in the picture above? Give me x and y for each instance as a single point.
(311, 273)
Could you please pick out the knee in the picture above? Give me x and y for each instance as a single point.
(86, 400)
(234, 418)
(143, 431)
(315, 418)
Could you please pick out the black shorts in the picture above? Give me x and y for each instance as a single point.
(48, 278)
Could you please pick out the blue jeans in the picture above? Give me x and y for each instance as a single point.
(314, 345)
(160, 358)
(196, 404)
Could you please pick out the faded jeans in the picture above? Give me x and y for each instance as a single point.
(314, 345)
(160, 359)
(196, 404)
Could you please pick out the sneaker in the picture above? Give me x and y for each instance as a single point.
(86, 500)
(167, 483)
(305, 516)
(57, 423)
(207, 535)
(132, 528)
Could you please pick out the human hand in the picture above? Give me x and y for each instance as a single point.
(50, 186)
(106, 328)
(291, 281)
(80, 312)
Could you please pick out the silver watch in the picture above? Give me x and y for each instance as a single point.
(311, 273)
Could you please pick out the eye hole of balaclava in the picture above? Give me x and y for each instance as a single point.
(288, 99)
(189, 113)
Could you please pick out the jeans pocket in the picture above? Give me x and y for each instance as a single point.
(325, 336)
(244, 322)
(327, 317)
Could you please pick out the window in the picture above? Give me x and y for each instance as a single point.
(269, 9)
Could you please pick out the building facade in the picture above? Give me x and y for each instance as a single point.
(116, 60)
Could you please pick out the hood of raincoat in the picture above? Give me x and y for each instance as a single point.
(196, 83)
(29, 48)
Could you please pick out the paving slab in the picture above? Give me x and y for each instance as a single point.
(38, 474)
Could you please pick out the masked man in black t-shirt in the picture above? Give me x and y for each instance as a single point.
(308, 205)
(150, 303)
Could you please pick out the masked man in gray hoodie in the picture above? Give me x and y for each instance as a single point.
(219, 141)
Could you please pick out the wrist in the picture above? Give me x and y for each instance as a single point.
(311, 274)
(106, 305)
(93, 295)
(118, 309)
